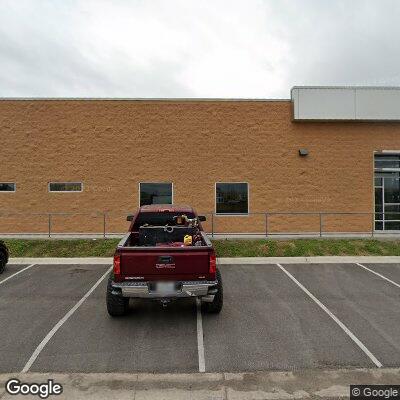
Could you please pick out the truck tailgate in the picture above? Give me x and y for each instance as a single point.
(165, 262)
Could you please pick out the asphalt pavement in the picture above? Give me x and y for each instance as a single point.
(32, 302)
(364, 302)
(313, 316)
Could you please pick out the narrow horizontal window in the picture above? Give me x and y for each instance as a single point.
(65, 187)
(155, 193)
(7, 187)
(231, 198)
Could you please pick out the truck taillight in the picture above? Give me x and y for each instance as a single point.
(117, 265)
(213, 264)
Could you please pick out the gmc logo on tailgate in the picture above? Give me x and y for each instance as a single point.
(165, 262)
(169, 266)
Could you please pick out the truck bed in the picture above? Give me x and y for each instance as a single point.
(131, 240)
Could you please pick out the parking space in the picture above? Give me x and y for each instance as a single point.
(390, 271)
(364, 302)
(11, 270)
(33, 301)
(268, 321)
(149, 339)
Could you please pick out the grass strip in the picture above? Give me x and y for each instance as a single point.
(224, 248)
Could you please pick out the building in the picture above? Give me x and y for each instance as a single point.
(89, 162)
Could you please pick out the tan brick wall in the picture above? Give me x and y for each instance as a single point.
(113, 145)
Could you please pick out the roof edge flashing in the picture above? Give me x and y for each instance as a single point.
(166, 99)
(341, 103)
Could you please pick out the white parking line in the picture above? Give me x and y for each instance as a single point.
(380, 275)
(17, 273)
(200, 341)
(337, 320)
(59, 324)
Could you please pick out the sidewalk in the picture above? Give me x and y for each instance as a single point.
(223, 261)
(304, 384)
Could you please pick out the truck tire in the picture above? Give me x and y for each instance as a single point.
(117, 306)
(215, 306)
(3, 257)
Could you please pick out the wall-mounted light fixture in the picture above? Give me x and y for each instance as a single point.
(303, 152)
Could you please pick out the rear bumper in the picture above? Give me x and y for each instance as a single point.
(184, 289)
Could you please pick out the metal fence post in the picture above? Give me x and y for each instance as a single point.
(212, 224)
(104, 225)
(320, 224)
(49, 225)
(266, 224)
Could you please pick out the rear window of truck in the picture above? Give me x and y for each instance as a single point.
(158, 219)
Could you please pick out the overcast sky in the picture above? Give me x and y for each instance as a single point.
(195, 48)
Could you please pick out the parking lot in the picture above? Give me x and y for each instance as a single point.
(275, 317)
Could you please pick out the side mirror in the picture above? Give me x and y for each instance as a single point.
(202, 218)
(130, 217)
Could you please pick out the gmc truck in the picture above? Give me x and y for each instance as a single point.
(166, 255)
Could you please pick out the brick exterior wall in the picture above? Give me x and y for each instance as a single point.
(111, 146)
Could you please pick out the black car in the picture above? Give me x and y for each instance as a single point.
(3, 256)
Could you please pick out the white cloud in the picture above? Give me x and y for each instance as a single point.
(187, 48)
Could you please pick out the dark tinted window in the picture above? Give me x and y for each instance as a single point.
(158, 219)
(392, 212)
(392, 225)
(7, 187)
(378, 225)
(65, 187)
(392, 190)
(231, 198)
(387, 161)
(155, 193)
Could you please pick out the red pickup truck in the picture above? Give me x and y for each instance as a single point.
(166, 255)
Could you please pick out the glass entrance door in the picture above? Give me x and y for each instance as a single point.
(387, 192)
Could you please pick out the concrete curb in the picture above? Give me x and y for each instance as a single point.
(61, 260)
(224, 261)
(274, 385)
(311, 260)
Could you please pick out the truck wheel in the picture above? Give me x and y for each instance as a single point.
(116, 305)
(215, 306)
(3, 260)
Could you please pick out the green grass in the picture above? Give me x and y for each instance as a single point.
(224, 248)
(307, 248)
(62, 248)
